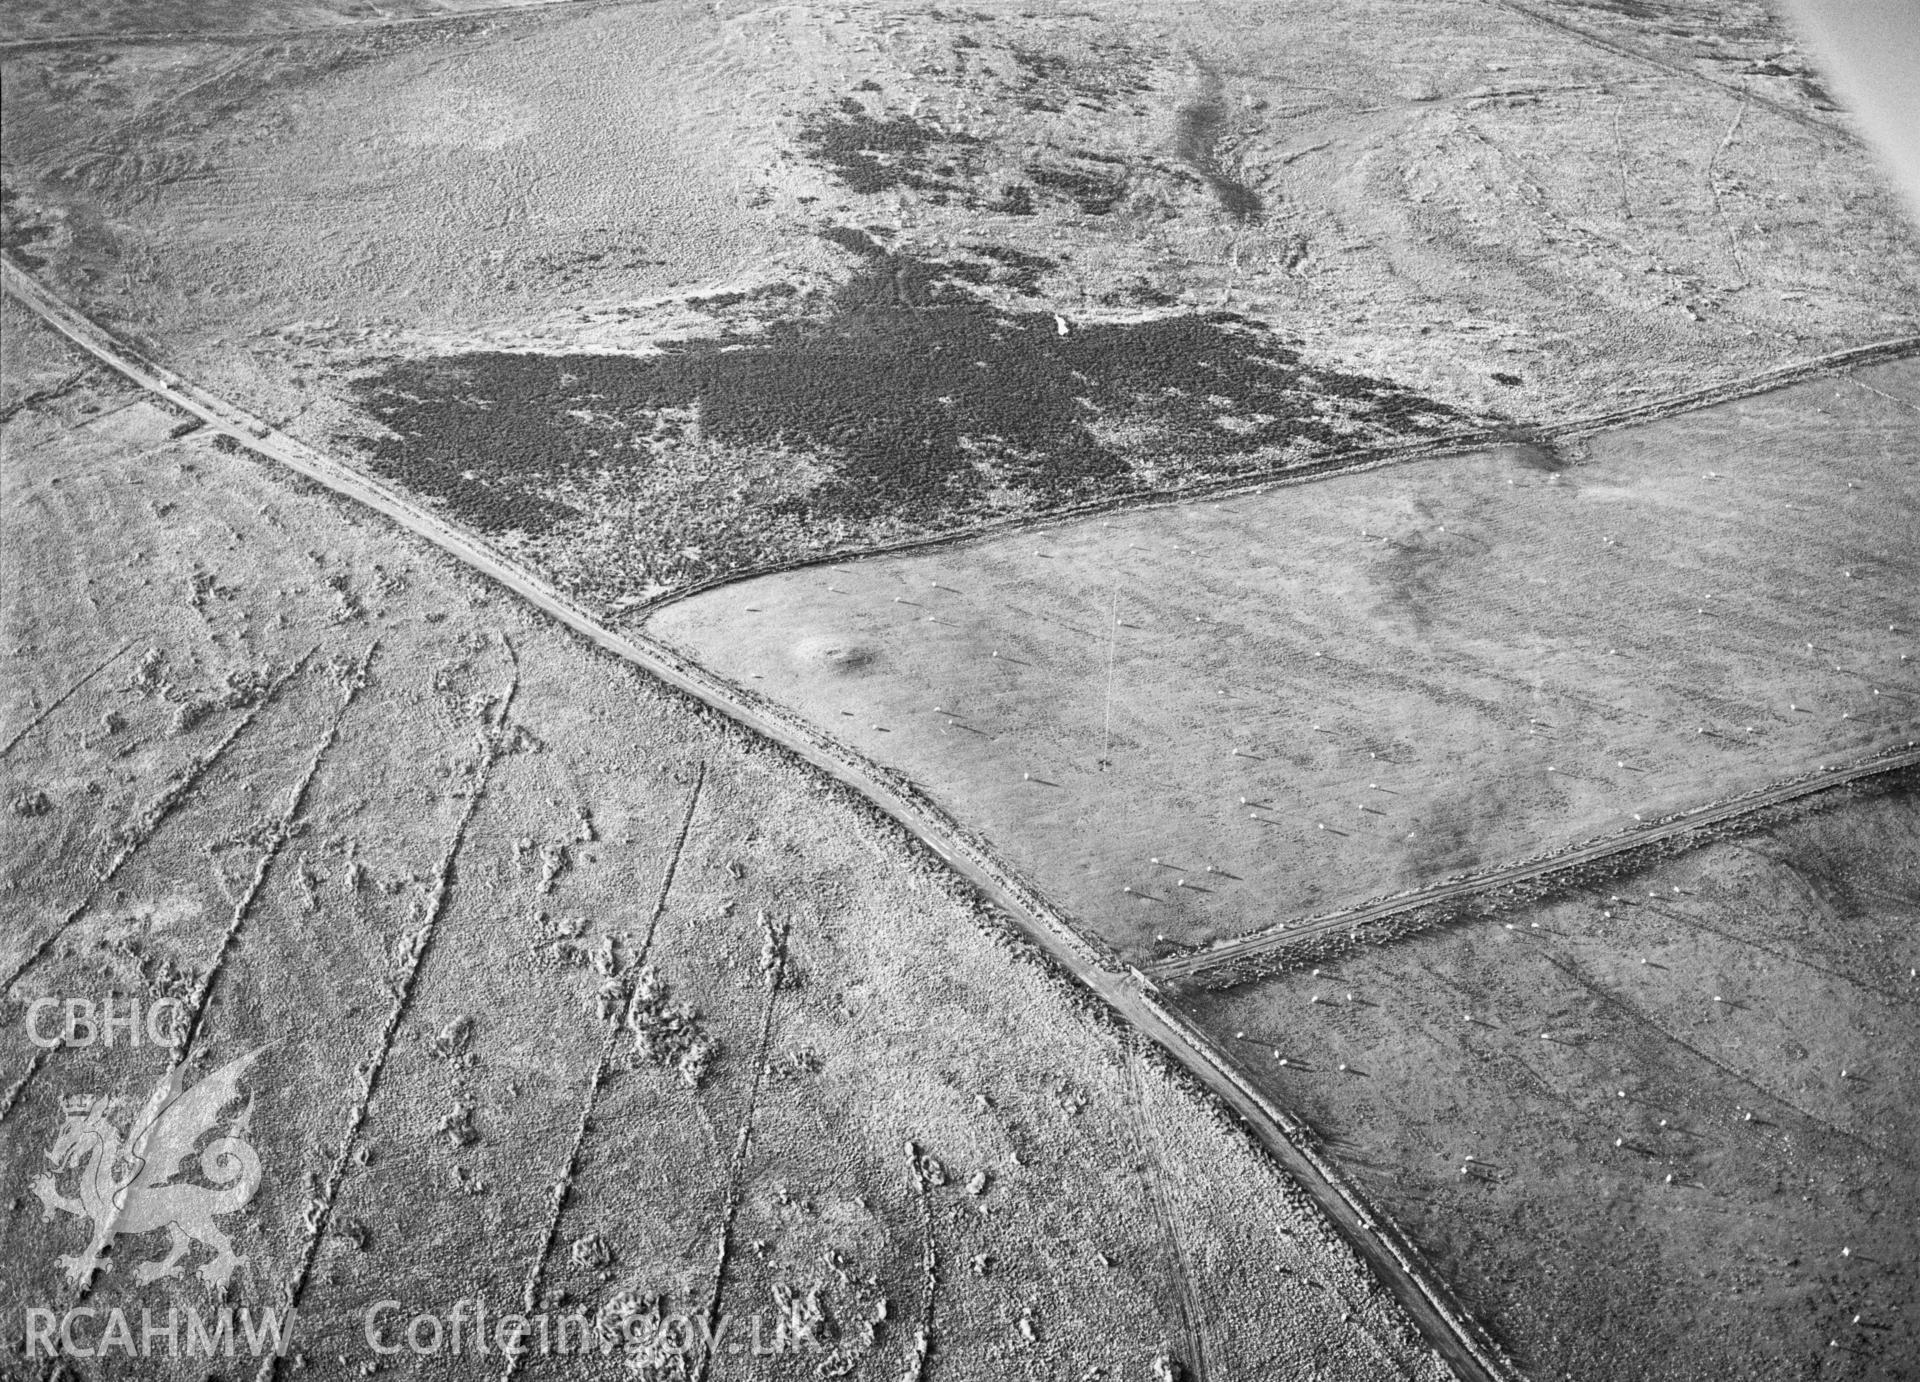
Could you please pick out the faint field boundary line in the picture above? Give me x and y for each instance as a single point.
(38, 1059)
(40, 716)
(930, 1272)
(742, 1145)
(1631, 1010)
(1454, 1334)
(148, 118)
(673, 863)
(1192, 1329)
(282, 832)
(48, 394)
(562, 1192)
(320, 1211)
(345, 30)
(1894, 399)
(1826, 128)
(1713, 188)
(1260, 947)
(1894, 995)
(134, 836)
(197, 1003)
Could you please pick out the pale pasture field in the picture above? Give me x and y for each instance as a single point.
(1656, 1129)
(1187, 723)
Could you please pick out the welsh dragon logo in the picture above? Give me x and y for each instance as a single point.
(127, 1184)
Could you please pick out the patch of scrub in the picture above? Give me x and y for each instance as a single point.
(913, 402)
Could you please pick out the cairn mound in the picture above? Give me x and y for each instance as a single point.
(825, 652)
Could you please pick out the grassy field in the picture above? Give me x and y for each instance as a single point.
(1360, 227)
(1704, 1169)
(509, 922)
(1189, 723)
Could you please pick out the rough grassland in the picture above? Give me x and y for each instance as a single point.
(1468, 208)
(489, 820)
(1741, 1021)
(1332, 692)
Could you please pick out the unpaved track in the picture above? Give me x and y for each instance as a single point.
(1244, 950)
(1454, 1335)
(1828, 129)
